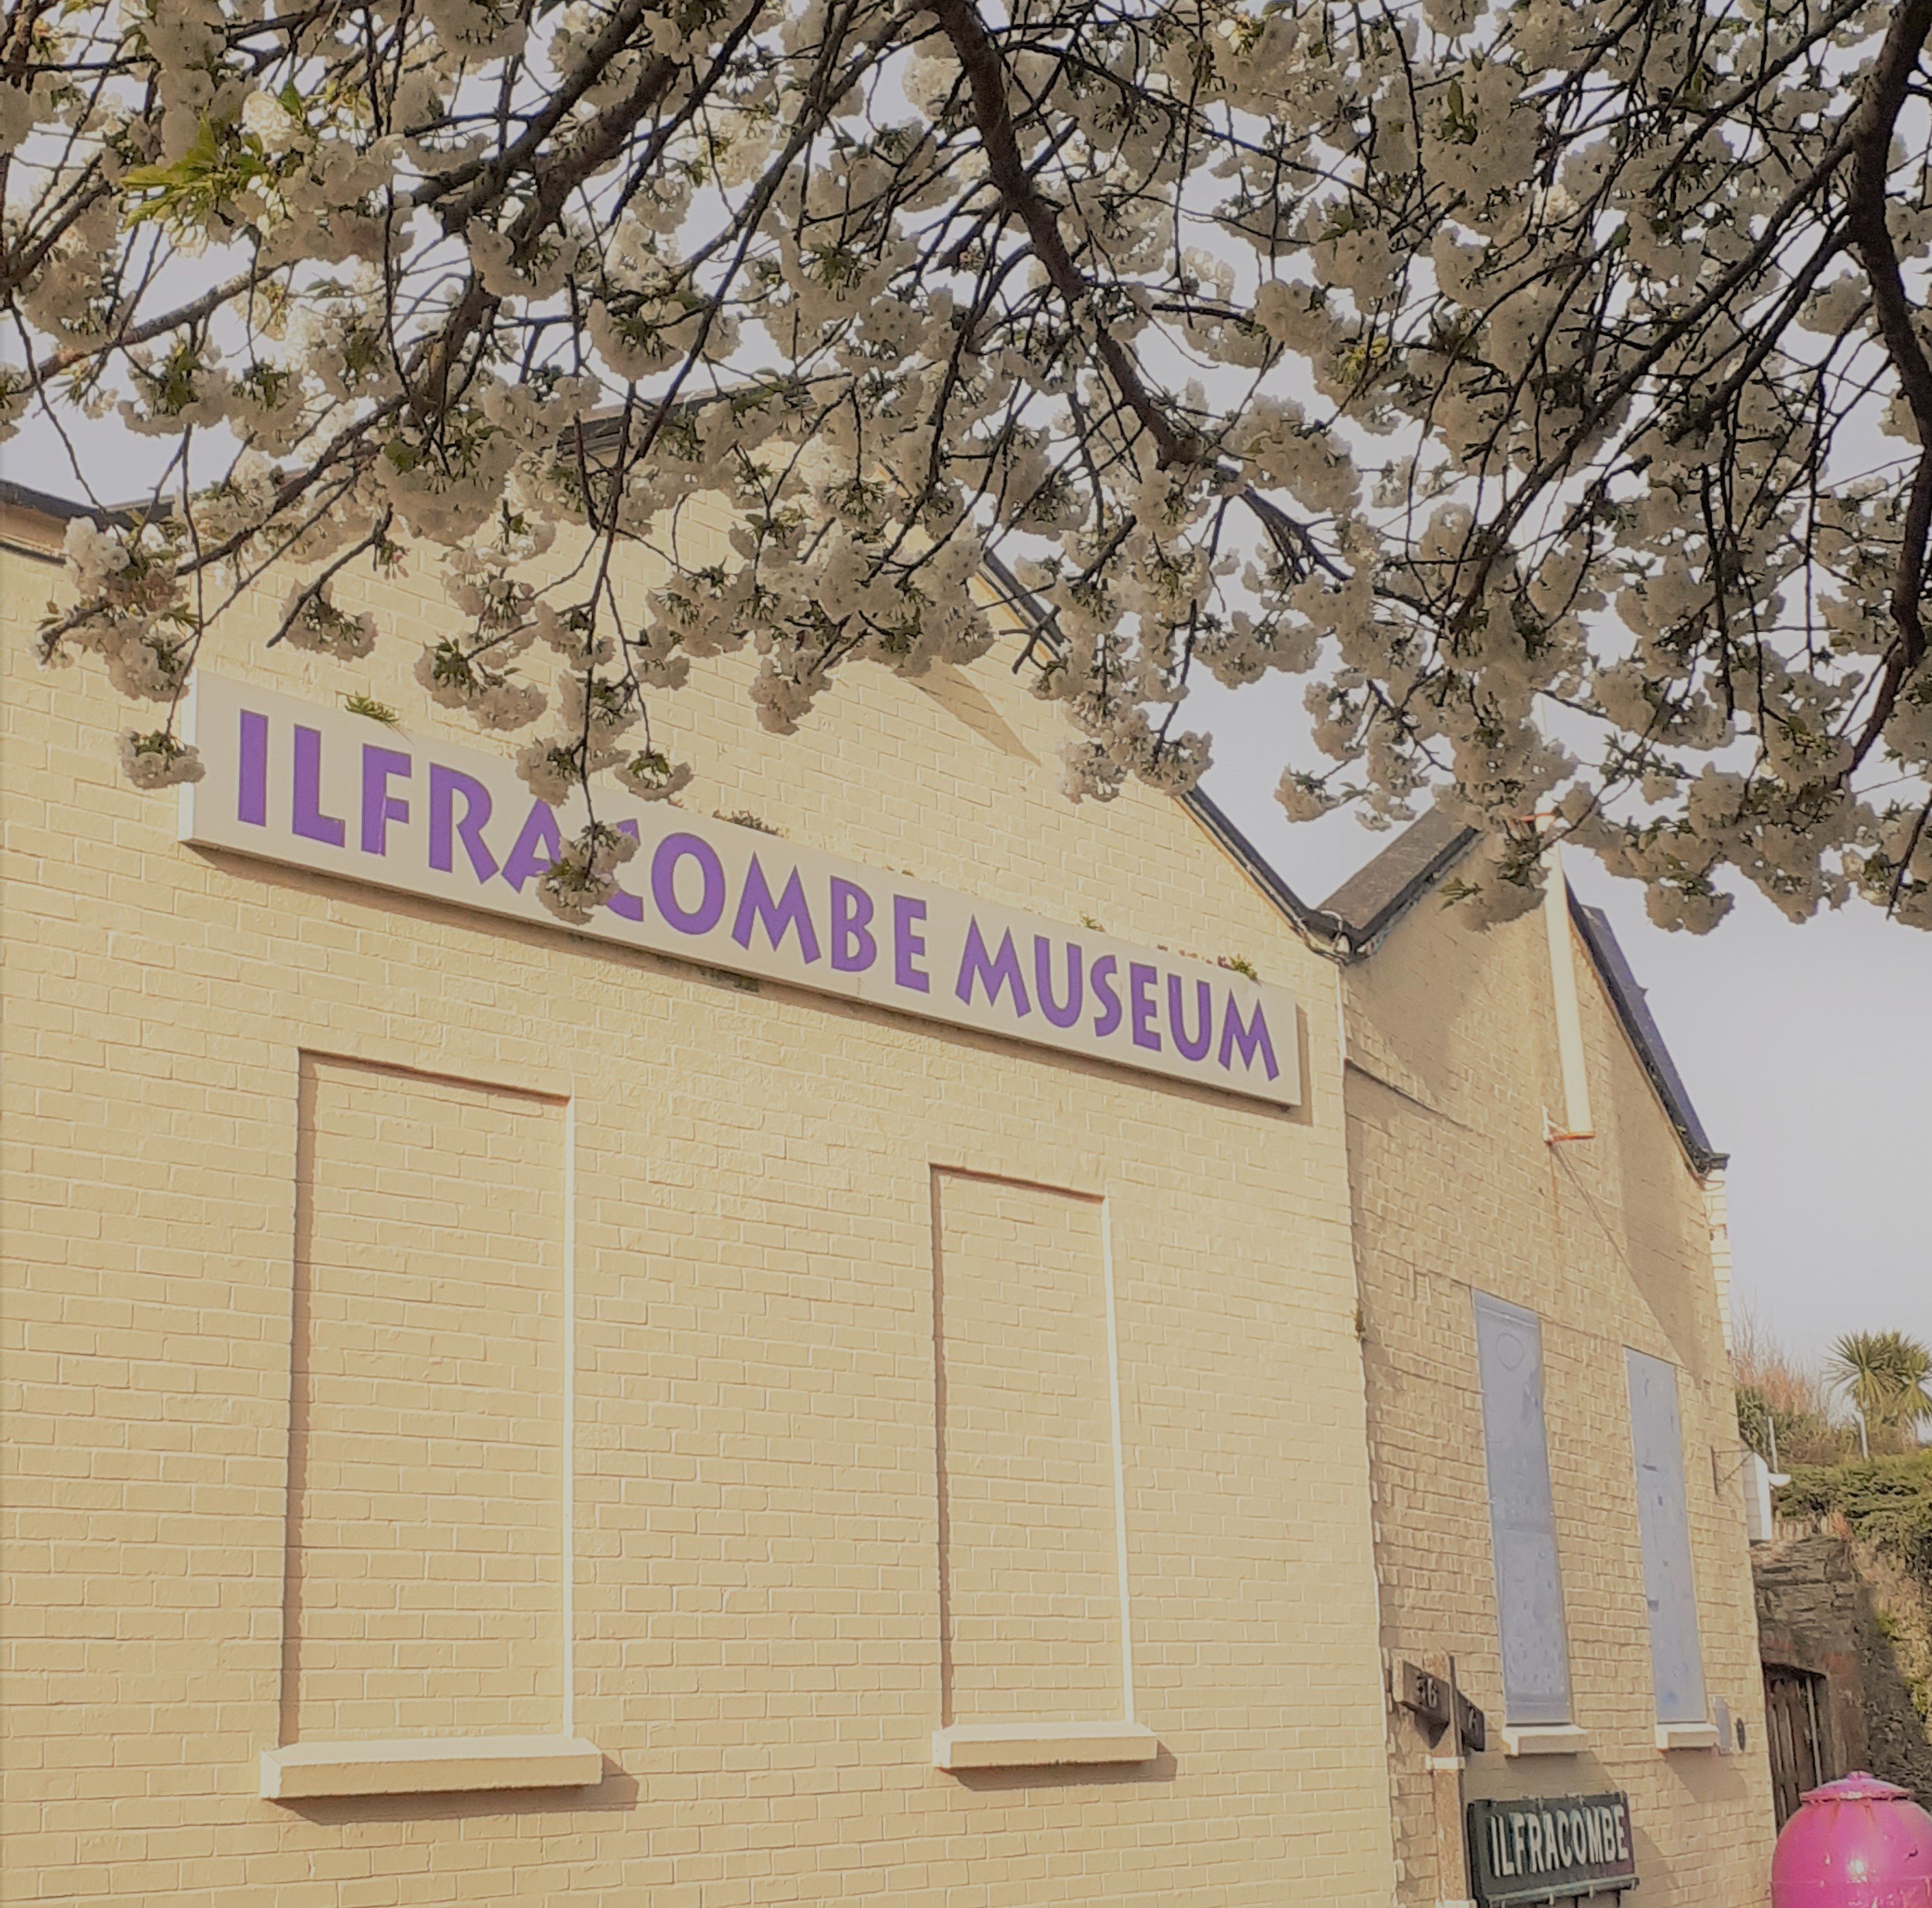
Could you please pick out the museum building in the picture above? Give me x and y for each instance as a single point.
(946, 1347)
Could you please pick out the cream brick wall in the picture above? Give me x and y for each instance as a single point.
(751, 1524)
(1453, 1061)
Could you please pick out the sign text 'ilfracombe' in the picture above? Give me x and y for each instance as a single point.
(1549, 1849)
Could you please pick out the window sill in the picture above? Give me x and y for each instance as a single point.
(428, 1765)
(1686, 1736)
(1040, 1745)
(1544, 1739)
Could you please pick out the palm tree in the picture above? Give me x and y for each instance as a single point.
(1888, 1379)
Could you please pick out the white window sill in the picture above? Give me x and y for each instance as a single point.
(429, 1766)
(1544, 1739)
(1686, 1736)
(1040, 1745)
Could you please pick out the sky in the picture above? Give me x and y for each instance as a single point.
(1807, 1050)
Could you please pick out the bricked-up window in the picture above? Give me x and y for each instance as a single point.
(423, 1593)
(1657, 1438)
(1522, 1525)
(1030, 1565)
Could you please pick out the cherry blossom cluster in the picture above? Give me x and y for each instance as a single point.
(1545, 383)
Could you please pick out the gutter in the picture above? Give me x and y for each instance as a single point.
(1640, 1026)
(44, 503)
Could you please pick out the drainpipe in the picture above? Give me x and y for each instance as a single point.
(1577, 1124)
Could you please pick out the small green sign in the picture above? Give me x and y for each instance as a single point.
(1550, 1848)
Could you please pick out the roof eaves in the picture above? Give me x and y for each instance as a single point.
(1633, 1010)
(1042, 626)
(1374, 897)
(44, 503)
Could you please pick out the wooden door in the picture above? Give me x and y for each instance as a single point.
(1793, 1715)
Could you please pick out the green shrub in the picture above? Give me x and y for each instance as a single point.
(1887, 1503)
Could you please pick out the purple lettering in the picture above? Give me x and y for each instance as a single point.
(379, 807)
(307, 818)
(1251, 1039)
(710, 908)
(1102, 975)
(1140, 987)
(854, 949)
(445, 830)
(1042, 974)
(907, 946)
(1002, 970)
(539, 832)
(251, 800)
(628, 905)
(1194, 1047)
(756, 904)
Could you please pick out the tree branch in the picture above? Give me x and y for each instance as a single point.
(986, 74)
(1870, 235)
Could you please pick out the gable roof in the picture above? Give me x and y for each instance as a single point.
(1347, 927)
(1374, 898)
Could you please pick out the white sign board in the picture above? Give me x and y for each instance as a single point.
(321, 789)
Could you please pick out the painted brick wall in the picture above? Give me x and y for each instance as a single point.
(1453, 1061)
(755, 1542)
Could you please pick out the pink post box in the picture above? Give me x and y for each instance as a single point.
(1857, 1843)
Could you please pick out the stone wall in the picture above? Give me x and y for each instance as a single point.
(1816, 1611)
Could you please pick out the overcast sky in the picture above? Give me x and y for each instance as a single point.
(1808, 1052)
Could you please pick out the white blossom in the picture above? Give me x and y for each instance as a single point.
(95, 554)
(157, 761)
(1474, 361)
